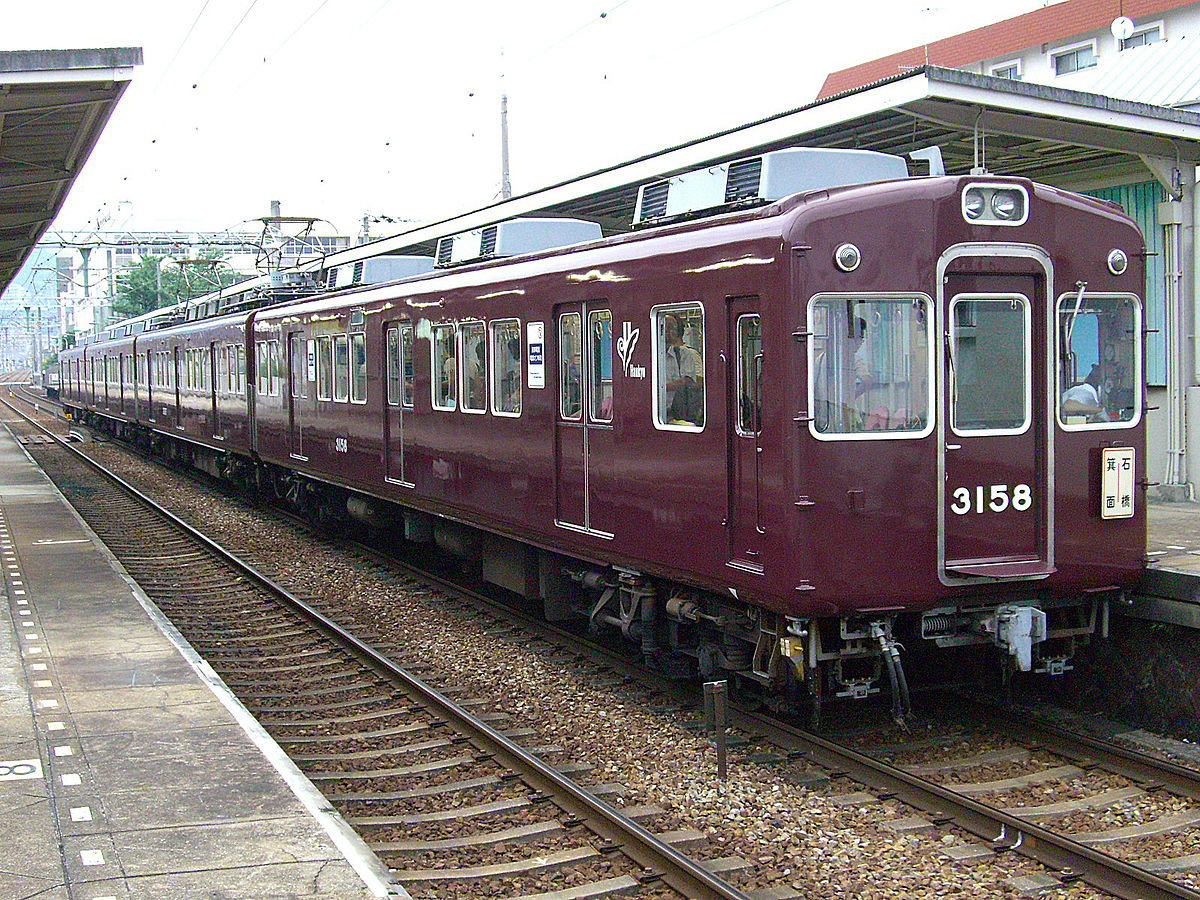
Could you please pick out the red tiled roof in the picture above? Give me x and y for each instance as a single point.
(1049, 24)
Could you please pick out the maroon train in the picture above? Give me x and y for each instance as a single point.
(771, 441)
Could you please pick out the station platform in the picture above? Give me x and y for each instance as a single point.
(127, 770)
(1170, 591)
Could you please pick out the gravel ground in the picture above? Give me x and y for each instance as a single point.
(791, 833)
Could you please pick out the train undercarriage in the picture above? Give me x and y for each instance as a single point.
(793, 664)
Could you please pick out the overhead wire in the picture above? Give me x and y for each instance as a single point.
(225, 43)
(182, 43)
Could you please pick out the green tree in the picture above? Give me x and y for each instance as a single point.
(153, 284)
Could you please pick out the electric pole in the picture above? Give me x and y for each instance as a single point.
(505, 184)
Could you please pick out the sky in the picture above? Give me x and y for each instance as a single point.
(341, 109)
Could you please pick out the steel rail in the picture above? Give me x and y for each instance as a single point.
(661, 860)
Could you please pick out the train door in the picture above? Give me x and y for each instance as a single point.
(215, 386)
(297, 392)
(744, 385)
(398, 345)
(996, 505)
(584, 419)
(176, 382)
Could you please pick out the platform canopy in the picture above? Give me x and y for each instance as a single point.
(1056, 136)
(53, 106)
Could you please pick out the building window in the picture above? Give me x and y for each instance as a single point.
(1009, 70)
(1075, 59)
(1152, 35)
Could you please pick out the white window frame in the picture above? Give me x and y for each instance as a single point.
(1027, 400)
(1007, 64)
(1159, 26)
(656, 311)
(1069, 297)
(932, 396)
(1072, 48)
(344, 397)
(491, 375)
(460, 347)
(436, 366)
(350, 364)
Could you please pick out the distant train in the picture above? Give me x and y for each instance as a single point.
(839, 409)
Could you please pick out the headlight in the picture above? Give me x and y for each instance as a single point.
(1005, 204)
(1118, 262)
(973, 204)
(995, 204)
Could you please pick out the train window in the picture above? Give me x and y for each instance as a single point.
(341, 367)
(406, 356)
(506, 367)
(679, 367)
(990, 363)
(223, 368)
(299, 386)
(444, 372)
(276, 369)
(749, 375)
(358, 367)
(1099, 361)
(241, 369)
(325, 368)
(393, 366)
(600, 390)
(474, 367)
(570, 363)
(870, 369)
(263, 364)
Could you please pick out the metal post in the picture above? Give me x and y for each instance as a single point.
(29, 331)
(717, 719)
(505, 184)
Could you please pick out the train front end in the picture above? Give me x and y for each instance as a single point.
(973, 455)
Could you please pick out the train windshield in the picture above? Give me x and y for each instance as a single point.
(869, 366)
(1099, 360)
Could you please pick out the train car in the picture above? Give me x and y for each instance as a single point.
(773, 440)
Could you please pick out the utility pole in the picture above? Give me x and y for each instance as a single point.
(505, 184)
(37, 344)
(29, 330)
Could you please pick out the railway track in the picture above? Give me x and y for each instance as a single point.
(495, 819)
(954, 794)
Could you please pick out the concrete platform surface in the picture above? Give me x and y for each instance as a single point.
(127, 770)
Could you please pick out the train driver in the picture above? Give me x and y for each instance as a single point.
(1086, 398)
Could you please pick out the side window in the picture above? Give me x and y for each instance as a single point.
(474, 367)
(341, 367)
(870, 370)
(506, 367)
(264, 368)
(223, 368)
(445, 372)
(749, 375)
(1099, 361)
(679, 366)
(600, 390)
(276, 369)
(393, 365)
(406, 357)
(325, 368)
(570, 364)
(241, 369)
(296, 352)
(358, 367)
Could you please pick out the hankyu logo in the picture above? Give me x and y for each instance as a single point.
(625, 344)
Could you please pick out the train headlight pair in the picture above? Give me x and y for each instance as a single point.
(995, 204)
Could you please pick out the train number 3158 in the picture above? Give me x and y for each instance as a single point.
(992, 498)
